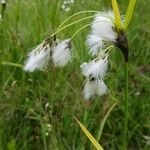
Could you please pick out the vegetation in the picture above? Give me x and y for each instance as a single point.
(38, 109)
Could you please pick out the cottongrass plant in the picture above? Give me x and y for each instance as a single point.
(62, 53)
(39, 58)
(108, 30)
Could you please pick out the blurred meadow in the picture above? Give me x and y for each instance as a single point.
(37, 109)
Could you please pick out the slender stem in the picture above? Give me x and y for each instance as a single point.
(81, 12)
(85, 114)
(126, 107)
(68, 25)
(43, 136)
(77, 21)
(80, 30)
(53, 88)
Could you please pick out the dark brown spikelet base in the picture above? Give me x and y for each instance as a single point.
(69, 45)
(50, 40)
(122, 44)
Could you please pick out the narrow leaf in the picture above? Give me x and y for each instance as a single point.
(11, 64)
(129, 13)
(91, 138)
(116, 14)
(104, 120)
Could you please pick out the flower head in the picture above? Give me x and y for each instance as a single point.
(94, 87)
(39, 57)
(104, 27)
(62, 53)
(96, 68)
(102, 32)
(94, 43)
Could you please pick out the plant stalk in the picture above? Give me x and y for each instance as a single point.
(126, 107)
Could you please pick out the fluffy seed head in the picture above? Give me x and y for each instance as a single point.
(96, 68)
(95, 87)
(101, 88)
(103, 26)
(62, 53)
(38, 58)
(95, 43)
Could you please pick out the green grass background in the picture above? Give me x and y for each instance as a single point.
(24, 117)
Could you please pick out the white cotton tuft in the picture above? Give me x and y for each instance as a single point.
(95, 87)
(96, 68)
(101, 88)
(103, 26)
(94, 43)
(38, 58)
(61, 53)
(89, 89)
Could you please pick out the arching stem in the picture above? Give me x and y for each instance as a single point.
(68, 25)
(78, 13)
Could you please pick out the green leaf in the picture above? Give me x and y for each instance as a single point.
(11, 64)
(116, 14)
(104, 120)
(88, 134)
(129, 13)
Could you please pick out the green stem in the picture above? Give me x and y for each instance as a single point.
(80, 30)
(44, 136)
(126, 107)
(81, 12)
(80, 20)
(85, 114)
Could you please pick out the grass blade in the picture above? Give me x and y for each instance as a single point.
(116, 14)
(104, 120)
(88, 134)
(11, 64)
(129, 13)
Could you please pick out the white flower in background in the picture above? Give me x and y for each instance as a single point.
(94, 43)
(65, 8)
(66, 5)
(38, 58)
(68, 1)
(96, 68)
(62, 53)
(94, 87)
(2, 2)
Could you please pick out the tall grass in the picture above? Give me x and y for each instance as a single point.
(24, 96)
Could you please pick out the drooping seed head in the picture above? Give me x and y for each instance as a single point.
(62, 53)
